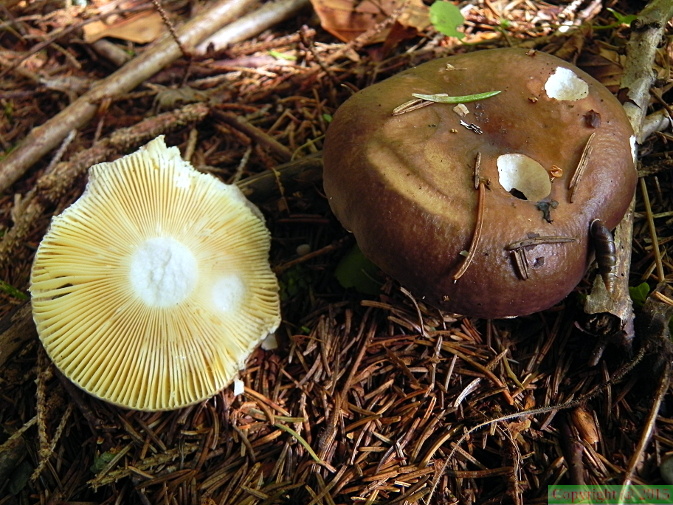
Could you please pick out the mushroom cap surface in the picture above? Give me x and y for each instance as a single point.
(405, 184)
(153, 288)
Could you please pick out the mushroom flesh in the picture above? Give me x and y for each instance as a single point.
(153, 288)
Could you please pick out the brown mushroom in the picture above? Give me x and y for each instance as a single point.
(484, 210)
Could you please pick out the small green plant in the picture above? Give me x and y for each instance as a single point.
(9, 111)
(622, 19)
(356, 271)
(294, 282)
(639, 296)
(281, 56)
(102, 460)
(446, 18)
(639, 293)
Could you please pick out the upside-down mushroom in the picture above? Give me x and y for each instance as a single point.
(482, 208)
(152, 289)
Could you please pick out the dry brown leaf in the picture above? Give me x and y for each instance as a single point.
(141, 28)
(518, 427)
(604, 65)
(585, 424)
(415, 15)
(346, 19)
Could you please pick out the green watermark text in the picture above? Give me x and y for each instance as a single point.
(627, 495)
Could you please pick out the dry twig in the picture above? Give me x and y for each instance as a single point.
(54, 183)
(44, 138)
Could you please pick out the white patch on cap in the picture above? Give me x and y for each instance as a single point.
(524, 174)
(634, 148)
(563, 84)
(163, 272)
(270, 343)
(239, 387)
(227, 293)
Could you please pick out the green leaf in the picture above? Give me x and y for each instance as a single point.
(294, 282)
(446, 18)
(639, 293)
(356, 271)
(281, 56)
(444, 98)
(12, 291)
(102, 460)
(623, 19)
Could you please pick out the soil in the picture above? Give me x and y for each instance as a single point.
(367, 397)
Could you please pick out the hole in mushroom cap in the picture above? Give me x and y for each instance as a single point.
(163, 272)
(563, 84)
(523, 176)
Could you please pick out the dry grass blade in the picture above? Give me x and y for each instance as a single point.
(533, 241)
(653, 231)
(521, 262)
(411, 105)
(306, 445)
(476, 235)
(477, 171)
(575, 180)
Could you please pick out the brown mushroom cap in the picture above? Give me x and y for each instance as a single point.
(405, 184)
(153, 288)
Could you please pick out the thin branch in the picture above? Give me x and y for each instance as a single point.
(641, 49)
(46, 137)
(638, 78)
(268, 15)
(255, 133)
(55, 182)
(171, 28)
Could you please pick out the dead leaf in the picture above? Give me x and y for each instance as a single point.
(142, 28)
(584, 422)
(346, 19)
(415, 15)
(518, 427)
(604, 65)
